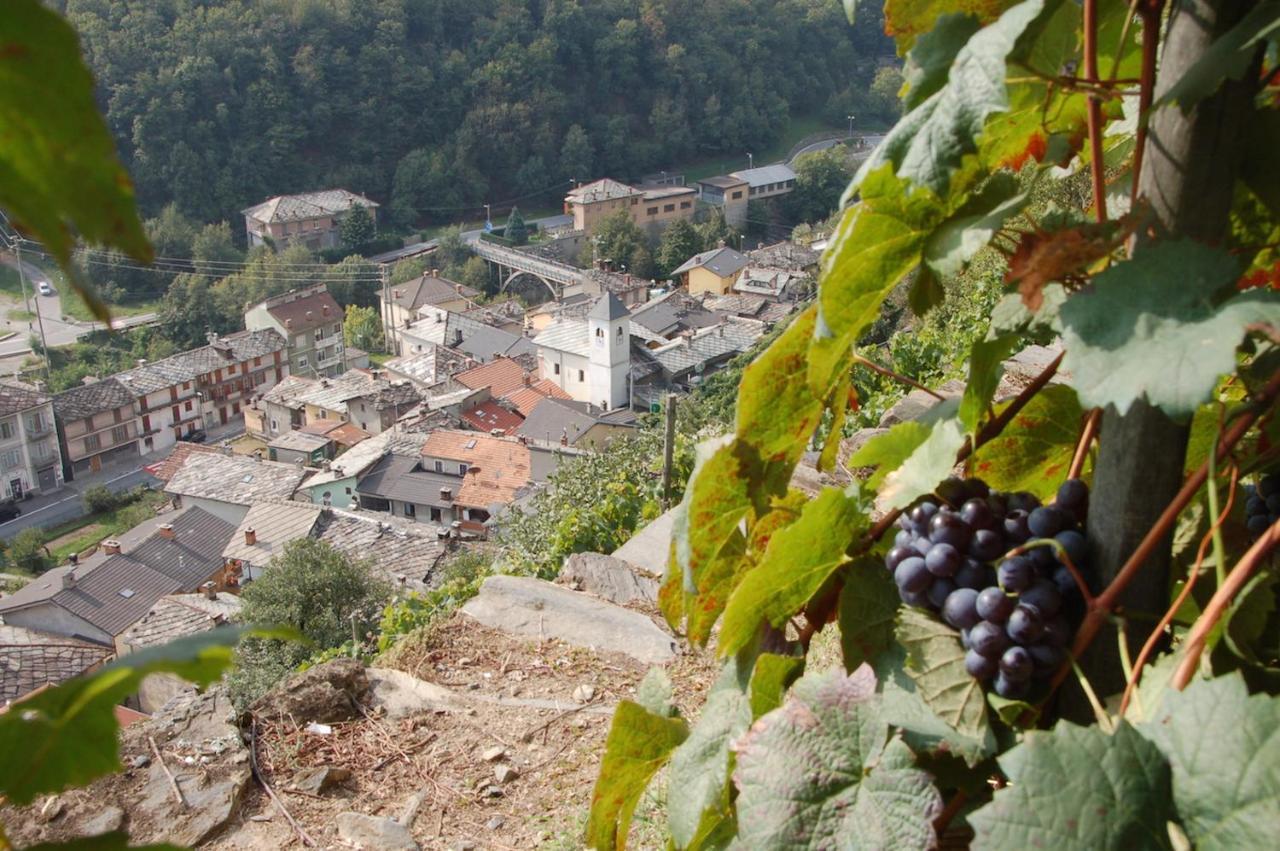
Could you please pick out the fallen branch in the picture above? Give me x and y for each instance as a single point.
(266, 787)
(173, 783)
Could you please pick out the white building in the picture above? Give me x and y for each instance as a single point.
(590, 359)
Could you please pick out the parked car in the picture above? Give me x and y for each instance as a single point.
(9, 510)
(45, 288)
(197, 436)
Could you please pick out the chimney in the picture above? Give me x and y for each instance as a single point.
(528, 379)
(457, 288)
(211, 337)
(395, 294)
(324, 310)
(69, 579)
(311, 313)
(209, 590)
(111, 547)
(446, 494)
(627, 278)
(166, 531)
(288, 323)
(250, 537)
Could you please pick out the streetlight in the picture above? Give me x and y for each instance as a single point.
(750, 161)
(488, 219)
(850, 117)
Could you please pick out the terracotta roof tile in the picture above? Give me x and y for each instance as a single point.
(488, 416)
(501, 375)
(497, 467)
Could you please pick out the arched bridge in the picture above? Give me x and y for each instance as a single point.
(512, 264)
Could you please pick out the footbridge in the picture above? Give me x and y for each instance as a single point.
(512, 264)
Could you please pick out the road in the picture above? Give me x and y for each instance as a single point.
(467, 236)
(67, 504)
(871, 140)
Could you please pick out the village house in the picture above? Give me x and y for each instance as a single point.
(226, 485)
(713, 271)
(33, 659)
(461, 333)
(366, 399)
(651, 207)
(300, 447)
(313, 219)
(767, 181)
(334, 485)
(402, 302)
(429, 367)
(687, 360)
(728, 193)
(674, 314)
(97, 424)
(589, 359)
(578, 424)
(30, 458)
(311, 323)
(172, 617)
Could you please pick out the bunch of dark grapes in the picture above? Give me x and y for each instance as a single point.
(1016, 615)
(1262, 504)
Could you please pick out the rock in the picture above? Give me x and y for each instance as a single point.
(495, 823)
(493, 754)
(522, 606)
(140, 761)
(319, 778)
(505, 773)
(106, 820)
(650, 547)
(211, 802)
(328, 692)
(1024, 367)
(584, 693)
(50, 809)
(375, 833)
(400, 695)
(462, 845)
(857, 440)
(917, 403)
(493, 792)
(609, 578)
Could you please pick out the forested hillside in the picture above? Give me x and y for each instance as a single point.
(434, 105)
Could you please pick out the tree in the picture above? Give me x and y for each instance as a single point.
(28, 553)
(362, 328)
(621, 243)
(516, 231)
(213, 249)
(715, 230)
(474, 273)
(883, 94)
(679, 242)
(577, 155)
(820, 179)
(357, 229)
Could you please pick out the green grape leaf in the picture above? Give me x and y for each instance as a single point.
(909, 20)
(1134, 335)
(777, 412)
(959, 238)
(700, 766)
(886, 452)
(877, 243)
(930, 463)
(1079, 788)
(1246, 620)
(1034, 451)
(117, 841)
(1228, 58)
(716, 582)
(822, 769)
(59, 176)
(1011, 712)
(770, 679)
(986, 365)
(654, 693)
(1012, 316)
(1224, 747)
(927, 145)
(868, 612)
(935, 661)
(67, 736)
(798, 560)
(926, 292)
(903, 706)
(929, 61)
(639, 743)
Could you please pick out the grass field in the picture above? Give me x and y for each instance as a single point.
(77, 535)
(10, 284)
(74, 306)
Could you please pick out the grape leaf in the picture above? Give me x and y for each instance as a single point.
(716, 582)
(770, 678)
(926, 146)
(1079, 788)
(1227, 58)
(1134, 335)
(639, 743)
(970, 228)
(777, 411)
(868, 613)
(67, 736)
(1034, 451)
(59, 175)
(935, 661)
(930, 463)
(929, 60)
(821, 771)
(798, 560)
(887, 451)
(1047, 256)
(986, 365)
(924, 731)
(926, 292)
(654, 693)
(1224, 747)
(907, 20)
(1010, 315)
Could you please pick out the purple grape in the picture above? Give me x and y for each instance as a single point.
(1269, 486)
(952, 491)
(994, 605)
(914, 598)
(912, 576)
(995, 504)
(986, 545)
(1047, 657)
(1044, 559)
(961, 608)
(1045, 522)
(896, 556)
(1065, 582)
(1023, 501)
(1257, 524)
(903, 539)
(949, 529)
(1074, 543)
(1016, 663)
(1072, 493)
(943, 560)
(1057, 632)
(1255, 505)
(988, 639)
(977, 488)
(1273, 503)
(973, 574)
(1044, 597)
(922, 513)
(1011, 689)
(977, 514)
(922, 545)
(939, 590)
(1025, 625)
(1015, 527)
(1015, 574)
(980, 667)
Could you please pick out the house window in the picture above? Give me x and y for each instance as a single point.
(462, 469)
(10, 459)
(302, 362)
(439, 466)
(275, 426)
(119, 414)
(36, 421)
(187, 405)
(436, 515)
(619, 332)
(599, 332)
(186, 385)
(93, 443)
(652, 211)
(6, 429)
(737, 195)
(319, 333)
(667, 208)
(348, 491)
(684, 205)
(257, 361)
(120, 434)
(42, 451)
(410, 510)
(555, 368)
(322, 414)
(582, 376)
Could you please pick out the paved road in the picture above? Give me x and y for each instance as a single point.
(870, 140)
(66, 504)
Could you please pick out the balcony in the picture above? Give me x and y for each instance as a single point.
(38, 430)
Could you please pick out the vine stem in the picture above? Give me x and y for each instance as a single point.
(1149, 647)
(997, 424)
(1149, 11)
(1222, 598)
(1060, 552)
(1097, 614)
(911, 382)
(1095, 109)
(944, 818)
(1087, 434)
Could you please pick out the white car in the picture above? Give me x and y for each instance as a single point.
(45, 288)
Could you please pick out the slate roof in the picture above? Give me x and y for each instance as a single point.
(707, 346)
(299, 441)
(398, 477)
(766, 174)
(230, 350)
(489, 415)
(30, 659)
(308, 205)
(275, 524)
(289, 391)
(88, 399)
(396, 547)
(608, 308)
(784, 255)
(601, 190)
(498, 312)
(235, 479)
(333, 394)
(674, 313)
(305, 312)
(554, 419)
(429, 289)
(15, 398)
(566, 335)
(431, 366)
(342, 433)
(179, 615)
(172, 463)
(486, 343)
(722, 261)
(365, 454)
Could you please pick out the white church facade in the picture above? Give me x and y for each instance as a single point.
(590, 359)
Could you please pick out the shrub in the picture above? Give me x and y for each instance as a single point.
(28, 553)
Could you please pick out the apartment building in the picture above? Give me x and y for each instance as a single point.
(311, 322)
(29, 456)
(654, 207)
(97, 424)
(313, 219)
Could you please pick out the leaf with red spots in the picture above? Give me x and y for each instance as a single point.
(1047, 256)
(1034, 451)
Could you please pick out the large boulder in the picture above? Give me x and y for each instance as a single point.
(531, 607)
(649, 547)
(609, 578)
(329, 692)
(917, 403)
(375, 833)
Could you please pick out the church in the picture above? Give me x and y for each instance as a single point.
(590, 359)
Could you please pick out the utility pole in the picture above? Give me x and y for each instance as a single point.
(668, 448)
(22, 276)
(384, 272)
